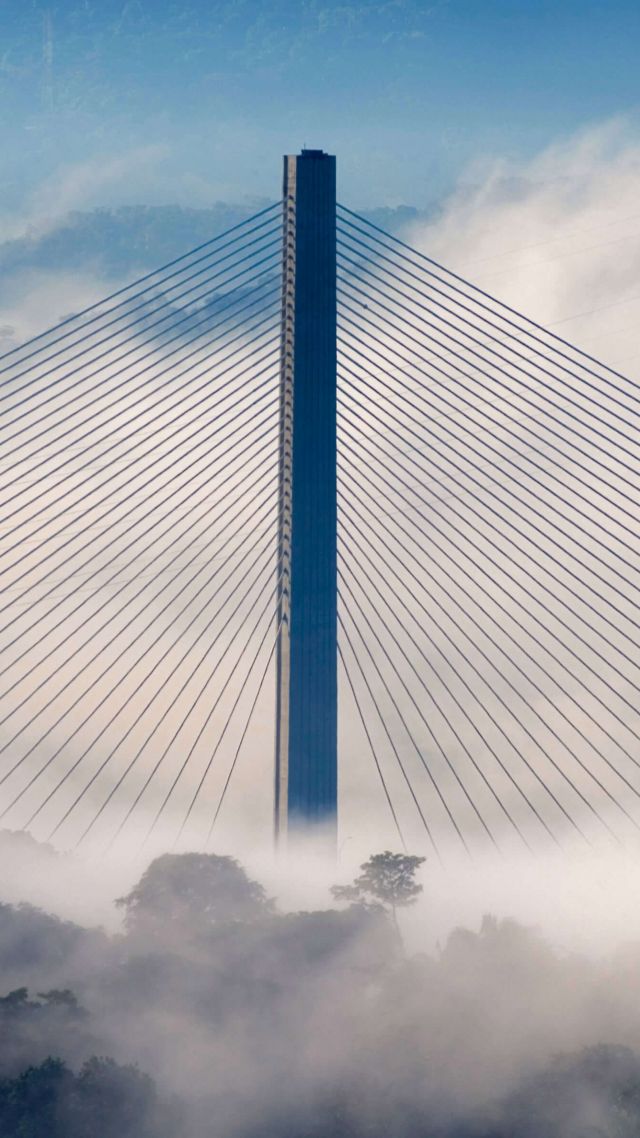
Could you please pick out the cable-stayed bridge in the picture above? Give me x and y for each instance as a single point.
(166, 612)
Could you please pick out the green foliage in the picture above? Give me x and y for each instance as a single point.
(14, 1001)
(386, 879)
(308, 1025)
(104, 1100)
(60, 1001)
(30, 1104)
(188, 894)
(62, 998)
(32, 1029)
(33, 940)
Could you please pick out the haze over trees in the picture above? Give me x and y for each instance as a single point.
(386, 879)
(214, 1013)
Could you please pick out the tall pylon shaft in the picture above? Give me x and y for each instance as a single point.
(306, 698)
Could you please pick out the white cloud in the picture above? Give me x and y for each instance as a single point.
(557, 237)
(84, 185)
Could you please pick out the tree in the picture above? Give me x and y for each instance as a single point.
(387, 879)
(29, 1104)
(65, 1000)
(110, 1101)
(32, 1029)
(190, 894)
(104, 1100)
(34, 943)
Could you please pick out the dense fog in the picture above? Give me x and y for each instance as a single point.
(211, 1007)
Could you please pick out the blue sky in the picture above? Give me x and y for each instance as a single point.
(196, 100)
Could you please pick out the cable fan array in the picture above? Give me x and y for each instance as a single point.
(140, 461)
(488, 558)
(489, 547)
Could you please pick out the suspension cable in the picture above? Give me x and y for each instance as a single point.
(428, 374)
(372, 748)
(402, 718)
(489, 339)
(492, 597)
(513, 528)
(134, 284)
(210, 713)
(396, 753)
(166, 303)
(501, 304)
(154, 524)
(502, 554)
(165, 455)
(242, 737)
(513, 664)
(127, 392)
(210, 621)
(388, 388)
(112, 617)
(496, 694)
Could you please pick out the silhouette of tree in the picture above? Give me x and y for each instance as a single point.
(32, 1029)
(387, 879)
(188, 894)
(29, 1104)
(110, 1101)
(33, 942)
(104, 1100)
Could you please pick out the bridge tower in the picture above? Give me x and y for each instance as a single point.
(306, 677)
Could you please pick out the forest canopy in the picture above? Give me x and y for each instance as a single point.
(216, 1013)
